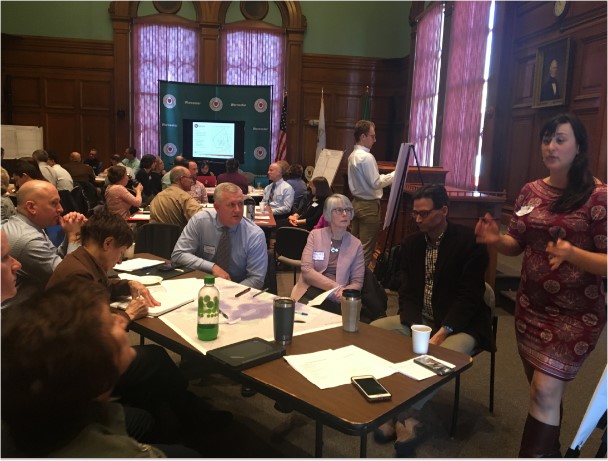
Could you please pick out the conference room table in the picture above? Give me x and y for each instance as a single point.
(262, 219)
(341, 407)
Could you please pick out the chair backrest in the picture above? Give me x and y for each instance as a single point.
(157, 238)
(290, 242)
(208, 181)
(490, 299)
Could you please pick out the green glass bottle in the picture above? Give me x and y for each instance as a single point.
(208, 310)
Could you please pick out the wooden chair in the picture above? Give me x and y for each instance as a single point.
(490, 300)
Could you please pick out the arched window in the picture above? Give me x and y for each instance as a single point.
(159, 52)
(255, 56)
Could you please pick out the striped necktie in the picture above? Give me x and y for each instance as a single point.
(222, 253)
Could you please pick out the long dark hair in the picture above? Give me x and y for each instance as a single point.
(580, 180)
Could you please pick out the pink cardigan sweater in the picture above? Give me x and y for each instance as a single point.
(350, 268)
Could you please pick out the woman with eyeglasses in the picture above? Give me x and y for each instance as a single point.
(332, 258)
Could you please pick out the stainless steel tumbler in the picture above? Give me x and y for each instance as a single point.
(283, 315)
(350, 305)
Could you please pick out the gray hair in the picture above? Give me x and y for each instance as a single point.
(176, 173)
(336, 201)
(40, 155)
(224, 187)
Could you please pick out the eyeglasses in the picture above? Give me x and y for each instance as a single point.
(342, 210)
(422, 213)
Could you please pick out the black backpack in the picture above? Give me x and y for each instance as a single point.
(387, 268)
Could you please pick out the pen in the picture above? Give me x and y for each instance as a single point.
(260, 292)
(299, 321)
(302, 313)
(224, 315)
(241, 293)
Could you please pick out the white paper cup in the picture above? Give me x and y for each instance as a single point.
(421, 334)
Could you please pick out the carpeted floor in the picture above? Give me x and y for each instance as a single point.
(258, 430)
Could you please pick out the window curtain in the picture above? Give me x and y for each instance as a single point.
(255, 57)
(464, 88)
(423, 112)
(159, 52)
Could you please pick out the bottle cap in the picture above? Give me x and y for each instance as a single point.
(209, 279)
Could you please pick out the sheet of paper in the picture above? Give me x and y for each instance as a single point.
(259, 216)
(171, 294)
(412, 370)
(335, 367)
(248, 317)
(137, 263)
(322, 297)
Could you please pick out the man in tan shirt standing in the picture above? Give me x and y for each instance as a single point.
(175, 205)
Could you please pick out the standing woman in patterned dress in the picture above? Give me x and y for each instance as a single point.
(559, 223)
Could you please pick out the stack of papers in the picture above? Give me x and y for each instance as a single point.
(335, 367)
(137, 263)
(171, 294)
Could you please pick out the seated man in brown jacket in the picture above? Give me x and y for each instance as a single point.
(175, 205)
(152, 382)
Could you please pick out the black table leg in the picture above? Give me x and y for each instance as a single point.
(319, 440)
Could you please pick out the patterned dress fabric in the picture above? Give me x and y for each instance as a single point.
(560, 313)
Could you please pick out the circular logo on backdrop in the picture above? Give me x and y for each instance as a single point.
(169, 101)
(216, 104)
(170, 149)
(260, 153)
(260, 105)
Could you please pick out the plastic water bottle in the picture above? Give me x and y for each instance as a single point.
(208, 310)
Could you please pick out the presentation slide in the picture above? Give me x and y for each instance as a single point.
(213, 140)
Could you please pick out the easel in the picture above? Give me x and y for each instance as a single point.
(383, 258)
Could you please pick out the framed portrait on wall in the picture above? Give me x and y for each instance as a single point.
(551, 74)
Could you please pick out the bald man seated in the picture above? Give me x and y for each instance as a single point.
(175, 205)
(38, 207)
(79, 171)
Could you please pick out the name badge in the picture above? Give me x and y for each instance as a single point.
(318, 255)
(209, 249)
(524, 210)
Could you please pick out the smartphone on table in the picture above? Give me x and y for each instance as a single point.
(371, 389)
(433, 365)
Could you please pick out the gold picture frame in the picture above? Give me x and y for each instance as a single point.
(551, 74)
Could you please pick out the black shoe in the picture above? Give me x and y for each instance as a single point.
(407, 448)
(247, 391)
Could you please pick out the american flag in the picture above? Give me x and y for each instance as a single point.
(282, 144)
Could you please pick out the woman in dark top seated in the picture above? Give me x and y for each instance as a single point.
(320, 190)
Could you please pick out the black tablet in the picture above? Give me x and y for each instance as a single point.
(248, 353)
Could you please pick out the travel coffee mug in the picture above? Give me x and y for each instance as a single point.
(350, 304)
(283, 310)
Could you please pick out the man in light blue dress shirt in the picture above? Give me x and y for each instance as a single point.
(279, 195)
(198, 246)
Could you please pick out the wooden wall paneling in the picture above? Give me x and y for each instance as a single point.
(62, 133)
(60, 94)
(518, 161)
(96, 95)
(25, 91)
(93, 134)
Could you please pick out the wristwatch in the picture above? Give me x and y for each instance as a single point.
(450, 330)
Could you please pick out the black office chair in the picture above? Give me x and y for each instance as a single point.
(490, 300)
(157, 238)
(289, 245)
